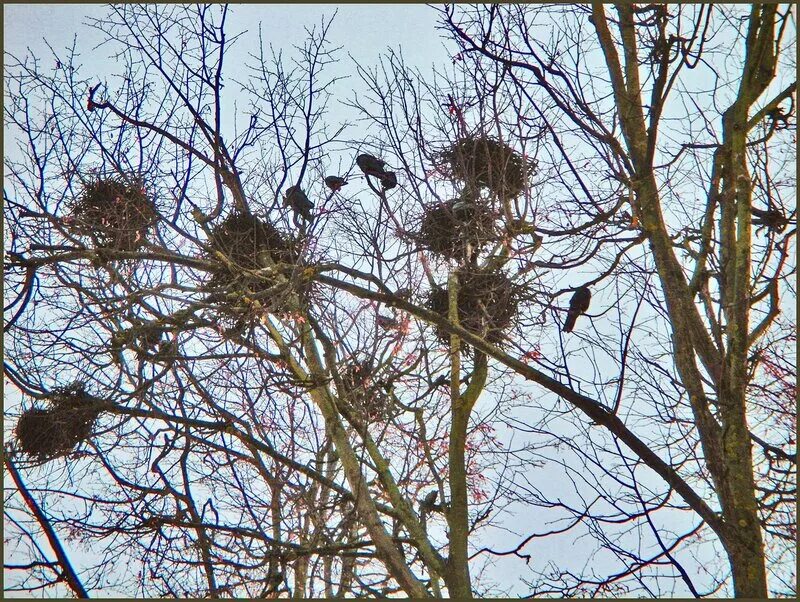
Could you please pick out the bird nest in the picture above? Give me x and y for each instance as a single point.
(116, 212)
(487, 304)
(365, 392)
(484, 162)
(252, 245)
(449, 228)
(68, 419)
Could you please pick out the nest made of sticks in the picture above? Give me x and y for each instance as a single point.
(480, 161)
(366, 392)
(53, 431)
(251, 243)
(487, 304)
(449, 228)
(116, 211)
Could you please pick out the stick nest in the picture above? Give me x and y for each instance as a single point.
(487, 304)
(53, 431)
(251, 244)
(365, 392)
(447, 231)
(116, 212)
(482, 162)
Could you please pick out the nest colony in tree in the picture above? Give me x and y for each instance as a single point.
(116, 212)
(487, 304)
(47, 433)
(251, 244)
(450, 228)
(366, 393)
(482, 162)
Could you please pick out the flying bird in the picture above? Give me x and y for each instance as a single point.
(577, 305)
(372, 166)
(335, 183)
(298, 201)
(389, 180)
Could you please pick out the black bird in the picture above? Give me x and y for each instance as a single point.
(298, 201)
(335, 182)
(577, 305)
(429, 501)
(389, 180)
(372, 166)
(773, 219)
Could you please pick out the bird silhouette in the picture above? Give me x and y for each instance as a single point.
(335, 183)
(389, 180)
(772, 218)
(577, 305)
(298, 201)
(372, 166)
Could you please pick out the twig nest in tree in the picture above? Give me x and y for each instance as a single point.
(47, 433)
(487, 304)
(483, 162)
(450, 228)
(253, 245)
(365, 392)
(116, 212)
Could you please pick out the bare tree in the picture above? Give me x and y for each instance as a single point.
(240, 377)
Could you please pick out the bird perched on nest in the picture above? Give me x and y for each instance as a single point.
(335, 183)
(577, 305)
(298, 201)
(371, 166)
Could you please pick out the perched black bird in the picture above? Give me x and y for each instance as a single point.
(577, 305)
(429, 501)
(773, 219)
(298, 201)
(372, 166)
(386, 322)
(335, 183)
(389, 180)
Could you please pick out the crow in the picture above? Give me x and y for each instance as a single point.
(429, 501)
(773, 219)
(389, 180)
(335, 182)
(372, 166)
(298, 201)
(577, 305)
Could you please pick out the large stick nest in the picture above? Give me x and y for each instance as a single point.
(482, 162)
(251, 244)
(115, 211)
(53, 431)
(487, 304)
(449, 228)
(365, 392)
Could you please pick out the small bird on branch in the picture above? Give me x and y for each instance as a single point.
(771, 218)
(577, 305)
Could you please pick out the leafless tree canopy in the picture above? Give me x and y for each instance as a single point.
(228, 376)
